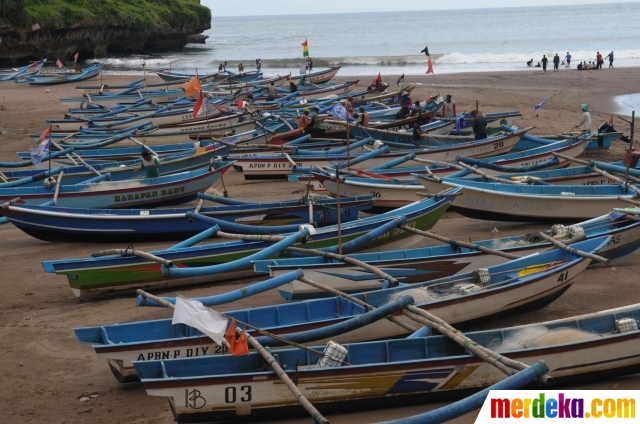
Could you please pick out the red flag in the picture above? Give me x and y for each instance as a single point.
(33, 65)
(198, 105)
(377, 80)
(59, 63)
(44, 137)
(75, 57)
(236, 347)
(429, 65)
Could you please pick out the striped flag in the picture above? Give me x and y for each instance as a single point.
(75, 57)
(305, 49)
(42, 148)
(198, 105)
(541, 104)
(59, 63)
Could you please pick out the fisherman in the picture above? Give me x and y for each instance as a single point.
(448, 108)
(418, 132)
(556, 62)
(259, 64)
(316, 123)
(349, 106)
(310, 64)
(292, 86)
(304, 120)
(405, 103)
(585, 119)
(150, 164)
(271, 92)
(224, 66)
(416, 109)
(240, 68)
(544, 63)
(363, 119)
(599, 61)
(479, 125)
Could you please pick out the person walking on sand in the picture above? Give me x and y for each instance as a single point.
(585, 119)
(479, 125)
(556, 62)
(544, 63)
(610, 57)
(567, 59)
(599, 61)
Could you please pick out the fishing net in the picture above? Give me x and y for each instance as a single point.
(539, 336)
(422, 295)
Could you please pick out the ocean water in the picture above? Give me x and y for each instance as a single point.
(390, 42)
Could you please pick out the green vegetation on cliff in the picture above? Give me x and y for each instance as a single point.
(141, 15)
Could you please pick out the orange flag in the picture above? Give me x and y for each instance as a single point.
(236, 347)
(198, 105)
(192, 86)
(429, 66)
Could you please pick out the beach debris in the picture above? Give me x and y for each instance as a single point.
(84, 399)
(494, 230)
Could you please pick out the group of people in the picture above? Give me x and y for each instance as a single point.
(597, 64)
(258, 64)
(309, 64)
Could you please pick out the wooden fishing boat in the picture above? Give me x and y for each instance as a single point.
(510, 290)
(107, 274)
(428, 263)
(110, 100)
(245, 76)
(135, 225)
(15, 73)
(318, 77)
(600, 139)
(394, 372)
(279, 166)
(304, 93)
(78, 75)
(532, 203)
(167, 190)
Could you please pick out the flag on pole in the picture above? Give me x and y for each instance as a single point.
(305, 49)
(59, 63)
(400, 80)
(377, 80)
(75, 57)
(429, 63)
(236, 347)
(192, 86)
(339, 111)
(541, 104)
(195, 314)
(198, 105)
(42, 148)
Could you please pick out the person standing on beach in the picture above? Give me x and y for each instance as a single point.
(610, 57)
(544, 63)
(567, 58)
(585, 119)
(310, 64)
(599, 61)
(349, 106)
(271, 92)
(556, 62)
(479, 125)
(448, 108)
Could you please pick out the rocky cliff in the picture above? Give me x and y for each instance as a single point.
(33, 29)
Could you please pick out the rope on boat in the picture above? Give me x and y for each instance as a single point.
(8, 203)
(130, 251)
(487, 176)
(250, 237)
(273, 363)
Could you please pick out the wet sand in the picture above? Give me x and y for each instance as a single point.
(45, 371)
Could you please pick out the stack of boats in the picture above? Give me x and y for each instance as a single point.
(342, 253)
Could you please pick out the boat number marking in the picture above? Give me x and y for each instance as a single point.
(193, 399)
(614, 240)
(498, 145)
(375, 194)
(230, 394)
(563, 277)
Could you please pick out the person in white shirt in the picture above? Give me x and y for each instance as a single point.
(585, 120)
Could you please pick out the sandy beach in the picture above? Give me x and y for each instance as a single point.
(45, 371)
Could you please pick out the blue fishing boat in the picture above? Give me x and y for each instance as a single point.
(513, 287)
(393, 373)
(134, 225)
(63, 78)
(167, 190)
(16, 73)
(107, 274)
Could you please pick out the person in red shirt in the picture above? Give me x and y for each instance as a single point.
(304, 120)
(599, 61)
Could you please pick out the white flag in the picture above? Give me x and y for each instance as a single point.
(195, 314)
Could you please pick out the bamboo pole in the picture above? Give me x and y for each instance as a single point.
(3, 178)
(633, 202)
(570, 159)
(355, 300)
(57, 192)
(144, 146)
(347, 259)
(199, 206)
(273, 363)
(460, 243)
(432, 195)
(436, 162)
(587, 163)
(249, 237)
(82, 161)
(133, 252)
(487, 176)
(619, 180)
(572, 250)
(8, 203)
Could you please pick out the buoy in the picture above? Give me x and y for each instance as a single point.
(47, 90)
